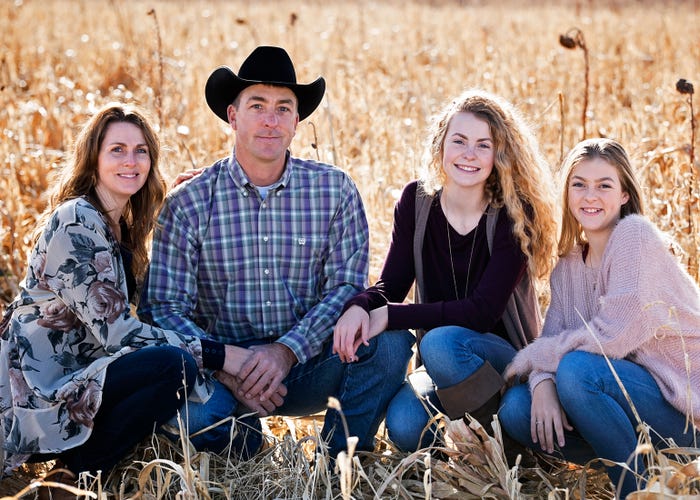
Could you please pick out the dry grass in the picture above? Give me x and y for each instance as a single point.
(388, 66)
(293, 467)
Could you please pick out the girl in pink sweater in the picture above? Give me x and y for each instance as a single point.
(617, 292)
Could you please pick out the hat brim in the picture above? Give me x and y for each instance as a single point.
(223, 86)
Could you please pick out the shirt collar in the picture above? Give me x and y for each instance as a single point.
(242, 181)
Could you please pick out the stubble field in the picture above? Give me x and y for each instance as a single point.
(388, 65)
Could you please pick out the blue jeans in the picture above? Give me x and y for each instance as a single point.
(450, 354)
(363, 388)
(598, 410)
(142, 390)
(243, 432)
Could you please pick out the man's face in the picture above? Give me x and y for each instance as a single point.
(265, 121)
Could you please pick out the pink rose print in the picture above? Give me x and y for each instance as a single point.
(83, 403)
(20, 390)
(57, 316)
(103, 266)
(105, 301)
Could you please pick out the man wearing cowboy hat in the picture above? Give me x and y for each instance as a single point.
(262, 250)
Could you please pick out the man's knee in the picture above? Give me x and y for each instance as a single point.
(242, 434)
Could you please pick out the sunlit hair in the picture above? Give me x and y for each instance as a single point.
(80, 176)
(520, 180)
(614, 155)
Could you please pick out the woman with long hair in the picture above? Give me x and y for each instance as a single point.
(473, 234)
(624, 320)
(83, 380)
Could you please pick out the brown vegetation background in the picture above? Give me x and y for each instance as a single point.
(388, 65)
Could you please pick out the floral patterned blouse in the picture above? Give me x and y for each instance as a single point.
(69, 321)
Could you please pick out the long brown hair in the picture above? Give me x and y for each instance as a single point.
(520, 179)
(80, 178)
(614, 155)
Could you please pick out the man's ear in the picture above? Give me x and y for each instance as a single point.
(231, 113)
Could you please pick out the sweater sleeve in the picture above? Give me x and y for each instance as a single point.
(554, 324)
(523, 364)
(618, 327)
(84, 269)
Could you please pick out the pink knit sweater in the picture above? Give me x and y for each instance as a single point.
(640, 305)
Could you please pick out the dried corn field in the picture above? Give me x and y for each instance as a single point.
(388, 66)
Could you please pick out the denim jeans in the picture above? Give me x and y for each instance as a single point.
(142, 390)
(232, 424)
(604, 423)
(363, 388)
(450, 354)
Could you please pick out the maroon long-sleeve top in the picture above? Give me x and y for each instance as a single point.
(492, 276)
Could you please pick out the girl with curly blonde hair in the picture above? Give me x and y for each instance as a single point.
(473, 233)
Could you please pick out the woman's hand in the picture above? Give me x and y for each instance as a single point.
(547, 418)
(187, 175)
(349, 332)
(356, 327)
(234, 357)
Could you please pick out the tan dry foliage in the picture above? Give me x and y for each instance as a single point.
(388, 65)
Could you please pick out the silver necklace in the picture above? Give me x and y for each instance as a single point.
(471, 255)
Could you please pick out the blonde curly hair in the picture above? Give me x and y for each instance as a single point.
(520, 180)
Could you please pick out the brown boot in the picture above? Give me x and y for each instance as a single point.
(480, 396)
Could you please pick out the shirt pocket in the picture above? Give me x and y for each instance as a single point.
(300, 261)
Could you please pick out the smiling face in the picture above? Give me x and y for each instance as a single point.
(123, 164)
(265, 119)
(595, 196)
(468, 152)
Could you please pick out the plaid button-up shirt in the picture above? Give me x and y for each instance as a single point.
(230, 266)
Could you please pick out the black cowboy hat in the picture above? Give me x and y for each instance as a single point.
(266, 65)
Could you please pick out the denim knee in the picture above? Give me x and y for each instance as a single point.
(514, 413)
(434, 345)
(572, 374)
(177, 365)
(406, 418)
(244, 435)
(195, 416)
(392, 351)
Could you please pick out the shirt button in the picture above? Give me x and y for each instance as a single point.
(265, 238)
(268, 303)
(264, 205)
(266, 271)
(271, 333)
